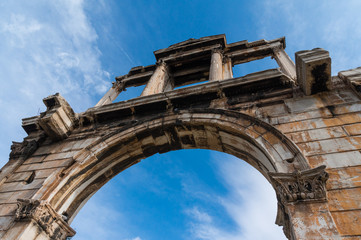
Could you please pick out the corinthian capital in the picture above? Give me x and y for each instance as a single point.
(301, 186)
(53, 224)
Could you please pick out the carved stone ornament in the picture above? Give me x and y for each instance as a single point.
(24, 149)
(45, 216)
(300, 186)
(218, 50)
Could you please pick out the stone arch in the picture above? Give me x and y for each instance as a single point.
(241, 135)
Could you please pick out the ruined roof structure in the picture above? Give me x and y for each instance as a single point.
(296, 125)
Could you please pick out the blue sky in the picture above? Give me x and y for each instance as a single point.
(77, 48)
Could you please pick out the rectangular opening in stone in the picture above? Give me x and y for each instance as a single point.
(254, 66)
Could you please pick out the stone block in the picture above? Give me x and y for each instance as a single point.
(317, 134)
(308, 125)
(304, 104)
(350, 118)
(59, 119)
(5, 222)
(348, 222)
(295, 117)
(19, 186)
(313, 69)
(344, 199)
(8, 209)
(341, 96)
(330, 146)
(45, 165)
(353, 129)
(336, 160)
(346, 177)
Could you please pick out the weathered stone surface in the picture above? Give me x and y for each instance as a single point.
(313, 68)
(352, 77)
(43, 214)
(308, 185)
(262, 118)
(59, 119)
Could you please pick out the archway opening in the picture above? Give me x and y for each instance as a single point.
(254, 141)
(186, 194)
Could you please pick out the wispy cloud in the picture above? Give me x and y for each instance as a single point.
(45, 49)
(251, 204)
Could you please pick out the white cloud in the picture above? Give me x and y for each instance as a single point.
(45, 49)
(137, 238)
(251, 204)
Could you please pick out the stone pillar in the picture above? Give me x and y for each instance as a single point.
(302, 204)
(160, 80)
(284, 61)
(216, 69)
(111, 95)
(227, 68)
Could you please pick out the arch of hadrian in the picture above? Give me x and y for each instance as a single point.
(297, 125)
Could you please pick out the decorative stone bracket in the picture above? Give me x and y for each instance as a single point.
(301, 186)
(59, 119)
(44, 215)
(313, 69)
(23, 149)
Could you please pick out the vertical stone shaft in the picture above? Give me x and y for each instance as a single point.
(110, 96)
(284, 61)
(227, 68)
(216, 69)
(159, 80)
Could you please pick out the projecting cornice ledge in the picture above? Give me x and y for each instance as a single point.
(57, 121)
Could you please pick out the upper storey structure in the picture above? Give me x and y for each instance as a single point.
(197, 60)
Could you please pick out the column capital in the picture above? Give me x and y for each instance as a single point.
(161, 63)
(277, 47)
(301, 186)
(118, 85)
(218, 50)
(226, 59)
(53, 224)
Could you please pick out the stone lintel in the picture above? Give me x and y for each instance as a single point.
(313, 69)
(59, 119)
(53, 224)
(191, 44)
(301, 186)
(239, 56)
